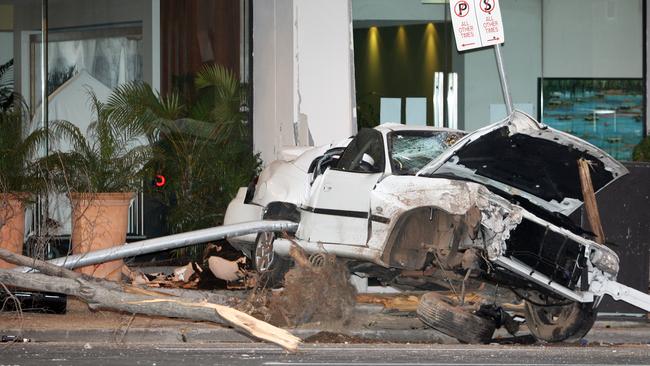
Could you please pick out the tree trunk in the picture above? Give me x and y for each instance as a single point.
(102, 294)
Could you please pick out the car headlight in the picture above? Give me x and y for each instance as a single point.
(605, 260)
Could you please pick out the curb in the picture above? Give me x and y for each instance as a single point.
(173, 335)
(180, 335)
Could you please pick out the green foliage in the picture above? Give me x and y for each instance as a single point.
(17, 151)
(201, 144)
(642, 150)
(6, 85)
(109, 158)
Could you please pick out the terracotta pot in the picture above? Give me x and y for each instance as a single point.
(99, 221)
(12, 224)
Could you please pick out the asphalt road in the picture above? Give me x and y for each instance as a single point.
(313, 355)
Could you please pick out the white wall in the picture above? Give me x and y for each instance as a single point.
(272, 76)
(396, 10)
(324, 69)
(302, 74)
(522, 59)
(6, 46)
(581, 38)
(593, 38)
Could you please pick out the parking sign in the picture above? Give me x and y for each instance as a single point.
(477, 23)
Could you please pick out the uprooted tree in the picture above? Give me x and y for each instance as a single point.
(103, 294)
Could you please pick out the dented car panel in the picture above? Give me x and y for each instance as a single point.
(524, 158)
(494, 203)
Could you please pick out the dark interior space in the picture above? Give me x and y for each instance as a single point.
(196, 32)
(397, 62)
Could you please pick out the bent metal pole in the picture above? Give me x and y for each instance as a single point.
(504, 81)
(170, 242)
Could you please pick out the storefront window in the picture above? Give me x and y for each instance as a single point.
(575, 65)
(592, 82)
(402, 56)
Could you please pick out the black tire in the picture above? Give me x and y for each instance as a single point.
(271, 273)
(560, 323)
(443, 314)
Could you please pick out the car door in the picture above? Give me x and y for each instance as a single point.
(339, 203)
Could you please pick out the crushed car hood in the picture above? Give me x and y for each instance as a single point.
(522, 158)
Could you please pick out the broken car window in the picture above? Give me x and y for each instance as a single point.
(364, 154)
(410, 151)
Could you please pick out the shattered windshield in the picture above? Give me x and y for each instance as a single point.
(410, 151)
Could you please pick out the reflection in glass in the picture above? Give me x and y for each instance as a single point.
(112, 56)
(606, 112)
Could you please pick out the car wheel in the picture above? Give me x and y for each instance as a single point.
(443, 314)
(269, 265)
(560, 322)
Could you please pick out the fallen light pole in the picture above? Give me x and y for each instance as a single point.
(170, 242)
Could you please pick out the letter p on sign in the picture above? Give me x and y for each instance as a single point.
(477, 23)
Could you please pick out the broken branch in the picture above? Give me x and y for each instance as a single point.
(99, 297)
(54, 270)
(38, 265)
(102, 294)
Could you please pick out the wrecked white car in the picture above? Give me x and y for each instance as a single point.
(417, 206)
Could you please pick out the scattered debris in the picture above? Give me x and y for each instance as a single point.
(225, 269)
(330, 337)
(399, 302)
(14, 339)
(137, 277)
(103, 294)
(314, 293)
(589, 197)
(184, 273)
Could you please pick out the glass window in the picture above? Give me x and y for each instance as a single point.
(576, 65)
(98, 58)
(592, 77)
(364, 154)
(410, 151)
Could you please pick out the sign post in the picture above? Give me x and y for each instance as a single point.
(477, 23)
(504, 81)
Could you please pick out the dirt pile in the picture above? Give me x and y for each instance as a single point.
(314, 291)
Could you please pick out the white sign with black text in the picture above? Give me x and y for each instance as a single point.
(477, 23)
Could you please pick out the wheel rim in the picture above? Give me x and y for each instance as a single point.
(264, 252)
(559, 323)
(553, 315)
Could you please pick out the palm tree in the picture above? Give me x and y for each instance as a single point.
(17, 174)
(100, 172)
(109, 158)
(17, 151)
(202, 143)
(6, 85)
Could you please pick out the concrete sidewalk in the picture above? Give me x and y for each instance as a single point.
(367, 327)
(172, 335)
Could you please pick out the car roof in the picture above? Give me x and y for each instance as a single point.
(388, 127)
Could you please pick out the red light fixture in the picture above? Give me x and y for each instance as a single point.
(160, 180)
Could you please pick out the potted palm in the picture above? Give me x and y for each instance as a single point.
(202, 143)
(16, 178)
(100, 172)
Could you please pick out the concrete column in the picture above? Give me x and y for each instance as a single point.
(303, 74)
